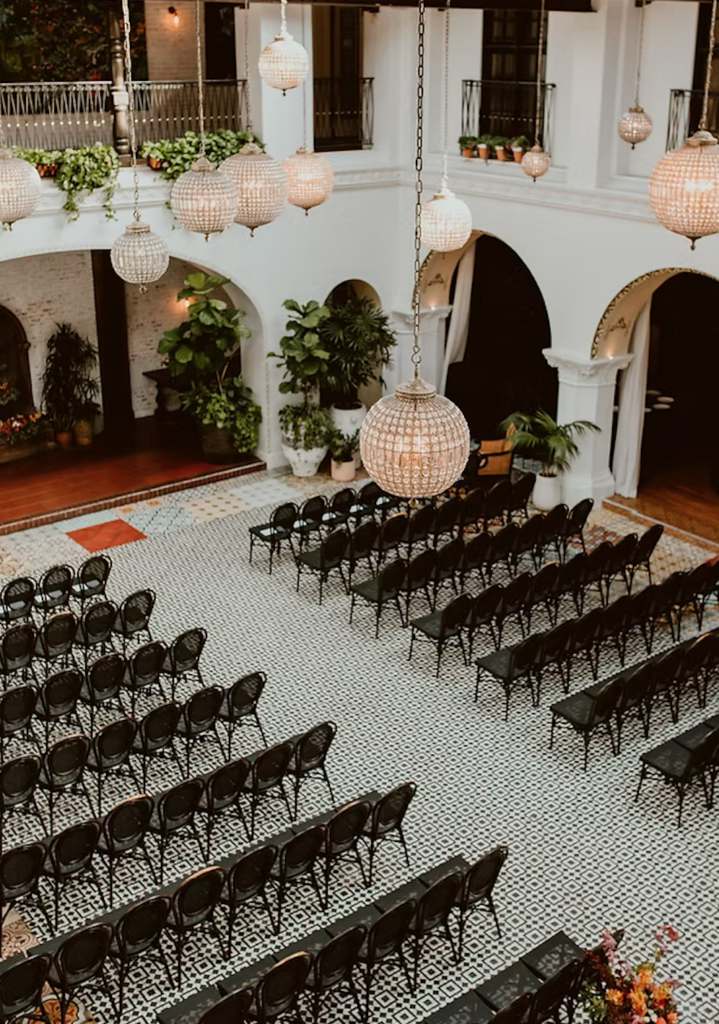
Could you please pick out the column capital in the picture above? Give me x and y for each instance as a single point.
(588, 373)
(428, 316)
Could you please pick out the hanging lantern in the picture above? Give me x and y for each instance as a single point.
(635, 126)
(19, 187)
(203, 199)
(684, 188)
(536, 162)
(139, 256)
(446, 222)
(414, 443)
(260, 185)
(310, 179)
(283, 63)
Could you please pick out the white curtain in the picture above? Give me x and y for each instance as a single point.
(459, 322)
(632, 400)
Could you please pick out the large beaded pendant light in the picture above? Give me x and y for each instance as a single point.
(139, 256)
(19, 186)
(310, 178)
(260, 181)
(415, 443)
(283, 63)
(446, 220)
(684, 185)
(535, 161)
(636, 125)
(203, 199)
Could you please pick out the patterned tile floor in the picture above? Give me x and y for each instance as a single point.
(583, 854)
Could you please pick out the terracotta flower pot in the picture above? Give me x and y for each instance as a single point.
(467, 151)
(47, 170)
(483, 151)
(83, 433)
(343, 472)
(64, 438)
(517, 153)
(500, 153)
(154, 162)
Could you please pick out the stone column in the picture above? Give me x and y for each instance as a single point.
(586, 392)
(432, 330)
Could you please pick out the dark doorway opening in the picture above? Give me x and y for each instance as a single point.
(15, 386)
(503, 369)
(220, 53)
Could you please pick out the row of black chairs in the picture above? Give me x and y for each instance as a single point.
(346, 957)
(241, 883)
(62, 634)
(24, 596)
(685, 760)
(632, 694)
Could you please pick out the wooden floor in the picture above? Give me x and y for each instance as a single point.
(681, 496)
(45, 488)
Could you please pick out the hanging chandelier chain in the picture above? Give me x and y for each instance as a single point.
(247, 69)
(708, 75)
(304, 90)
(540, 55)
(640, 45)
(416, 357)
(283, 17)
(200, 82)
(131, 109)
(446, 94)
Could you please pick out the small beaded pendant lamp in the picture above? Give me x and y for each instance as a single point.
(203, 199)
(139, 256)
(635, 126)
(684, 185)
(283, 63)
(446, 220)
(415, 443)
(536, 161)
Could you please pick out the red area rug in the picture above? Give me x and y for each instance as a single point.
(105, 535)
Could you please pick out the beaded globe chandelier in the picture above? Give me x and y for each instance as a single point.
(636, 125)
(19, 186)
(260, 181)
(139, 256)
(415, 443)
(283, 63)
(446, 220)
(310, 178)
(684, 185)
(536, 161)
(203, 199)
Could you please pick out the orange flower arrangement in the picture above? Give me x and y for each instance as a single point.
(617, 993)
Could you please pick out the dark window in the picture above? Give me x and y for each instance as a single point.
(220, 59)
(337, 68)
(509, 72)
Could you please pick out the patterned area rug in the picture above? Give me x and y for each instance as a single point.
(582, 854)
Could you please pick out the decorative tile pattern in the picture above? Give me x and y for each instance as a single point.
(105, 535)
(160, 519)
(582, 853)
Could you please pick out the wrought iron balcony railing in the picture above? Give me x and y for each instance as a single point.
(61, 115)
(343, 113)
(506, 108)
(685, 110)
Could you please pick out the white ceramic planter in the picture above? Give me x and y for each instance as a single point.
(349, 420)
(304, 462)
(547, 492)
(343, 472)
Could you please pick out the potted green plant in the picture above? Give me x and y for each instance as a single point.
(467, 144)
(69, 385)
(499, 143)
(538, 434)
(484, 146)
(46, 161)
(82, 171)
(342, 453)
(519, 145)
(304, 359)
(359, 342)
(201, 350)
(172, 157)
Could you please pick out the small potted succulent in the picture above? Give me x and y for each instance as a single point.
(342, 448)
(499, 142)
(520, 144)
(467, 145)
(484, 147)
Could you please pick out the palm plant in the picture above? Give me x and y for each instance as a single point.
(540, 435)
(359, 341)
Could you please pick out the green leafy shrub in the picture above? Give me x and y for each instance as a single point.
(38, 157)
(84, 170)
(178, 155)
(358, 338)
(305, 426)
(342, 446)
(232, 407)
(69, 386)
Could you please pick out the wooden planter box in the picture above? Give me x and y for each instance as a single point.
(13, 452)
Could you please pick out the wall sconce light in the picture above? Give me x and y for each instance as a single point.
(172, 11)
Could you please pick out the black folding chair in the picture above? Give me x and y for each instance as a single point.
(109, 753)
(277, 530)
(309, 757)
(476, 892)
(385, 824)
(442, 627)
(222, 794)
(79, 960)
(239, 706)
(173, 817)
(154, 737)
(182, 658)
(101, 685)
(295, 867)
(17, 646)
(325, 559)
(587, 713)
(137, 939)
(122, 836)
(245, 887)
(384, 947)
(16, 600)
(91, 578)
(381, 590)
(53, 589)
(192, 911)
(21, 987)
(69, 861)
(266, 780)
(341, 841)
(61, 773)
(94, 630)
(198, 720)
(512, 667)
(133, 617)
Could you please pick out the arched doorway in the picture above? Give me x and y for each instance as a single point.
(15, 384)
(501, 368)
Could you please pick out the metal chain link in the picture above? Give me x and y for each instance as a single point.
(640, 44)
(708, 75)
(247, 69)
(416, 357)
(283, 17)
(131, 108)
(540, 57)
(200, 84)
(446, 94)
(304, 92)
